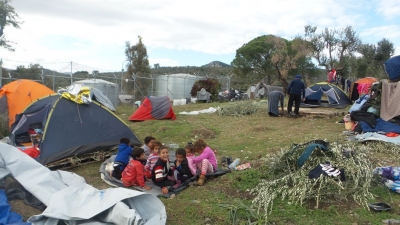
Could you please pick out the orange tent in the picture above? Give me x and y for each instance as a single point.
(361, 86)
(20, 94)
(366, 80)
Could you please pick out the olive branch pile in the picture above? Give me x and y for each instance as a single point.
(241, 108)
(292, 184)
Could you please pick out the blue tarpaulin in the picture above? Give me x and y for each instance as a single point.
(7, 217)
(392, 67)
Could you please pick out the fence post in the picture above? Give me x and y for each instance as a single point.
(1, 72)
(54, 74)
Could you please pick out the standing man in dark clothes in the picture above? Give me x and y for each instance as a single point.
(296, 91)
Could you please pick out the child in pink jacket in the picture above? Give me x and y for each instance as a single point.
(206, 162)
(189, 156)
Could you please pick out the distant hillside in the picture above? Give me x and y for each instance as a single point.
(216, 64)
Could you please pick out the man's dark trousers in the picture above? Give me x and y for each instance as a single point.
(296, 98)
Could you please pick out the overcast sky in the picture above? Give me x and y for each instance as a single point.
(92, 33)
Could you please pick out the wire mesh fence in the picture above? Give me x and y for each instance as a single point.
(130, 87)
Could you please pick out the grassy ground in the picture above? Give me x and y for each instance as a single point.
(226, 200)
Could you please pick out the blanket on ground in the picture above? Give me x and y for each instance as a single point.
(155, 190)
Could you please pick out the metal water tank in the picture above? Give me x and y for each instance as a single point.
(109, 89)
(175, 86)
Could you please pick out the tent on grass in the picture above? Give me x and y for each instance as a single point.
(17, 95)
(70, 129)
(154, 108)
(392, 68)
(361, 87)
(250, 91)
(336, 98)
(261, 90)
(95, 94)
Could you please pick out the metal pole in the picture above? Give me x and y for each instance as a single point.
(71, 74)
(1, 72)
(54, 73)
(134, 84)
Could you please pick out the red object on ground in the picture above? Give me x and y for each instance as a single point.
(31, 151)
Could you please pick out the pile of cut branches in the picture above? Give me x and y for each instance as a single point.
(241, 108)
(291, 183)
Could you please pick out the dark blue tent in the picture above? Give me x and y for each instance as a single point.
(70, 129)
(392, 68)
(336, 98)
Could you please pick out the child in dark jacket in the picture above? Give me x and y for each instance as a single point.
(133, 174)
(162, 174)
(122, 158)
(182, 171)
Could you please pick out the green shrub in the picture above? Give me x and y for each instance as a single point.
(211, 85)
(241, 108)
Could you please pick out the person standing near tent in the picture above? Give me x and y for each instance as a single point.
(296, 91)
(331, 76)
(274, 97)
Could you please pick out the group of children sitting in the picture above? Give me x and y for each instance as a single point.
(134, 165)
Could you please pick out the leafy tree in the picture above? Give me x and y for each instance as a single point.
(272, 57)
(288, 56)
(331, 46)
(253, 60)
(32, 72)
(211, 85)
(373, 57)
(138, 67)
(7, 17)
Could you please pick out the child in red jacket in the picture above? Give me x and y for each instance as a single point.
(133, 174)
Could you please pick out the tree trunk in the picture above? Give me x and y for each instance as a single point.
(281, 78)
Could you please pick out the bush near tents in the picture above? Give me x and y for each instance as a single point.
(211, 85)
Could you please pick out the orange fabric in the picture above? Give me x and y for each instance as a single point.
(366, 80)
(20, 94)
(391, 134)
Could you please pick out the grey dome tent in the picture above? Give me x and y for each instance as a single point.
(70, 129)
(335, 96)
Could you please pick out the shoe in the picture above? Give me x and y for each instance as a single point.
(224, 161)
(229, 160)
(201, 180)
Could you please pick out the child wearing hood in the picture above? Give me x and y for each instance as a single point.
(122, 158)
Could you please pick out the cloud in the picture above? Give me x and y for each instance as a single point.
(95, 31)
(390, 9)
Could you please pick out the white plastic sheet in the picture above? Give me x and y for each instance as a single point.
(69, 199)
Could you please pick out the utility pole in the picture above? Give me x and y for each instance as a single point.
(54, 73)
(71, 74)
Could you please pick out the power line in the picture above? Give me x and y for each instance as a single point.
(106, 70)
(34, 62)
(94, 67)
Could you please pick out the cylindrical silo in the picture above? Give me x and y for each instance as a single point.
(175, 86)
